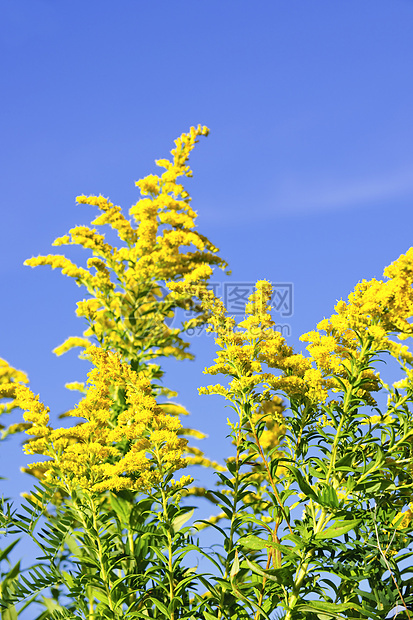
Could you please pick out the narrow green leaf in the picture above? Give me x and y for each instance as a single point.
(235, 566)
(51, 605)
(121, 507)
(339, 528)
(329, 496)
(253, 542)
(260, 571)
(9, 614)
(179, 521)
(304, 486)
(329, 610)
(69, 581)
(13, 572)
(223, 498)
(100, 594)
(161, 607)
(5, 552)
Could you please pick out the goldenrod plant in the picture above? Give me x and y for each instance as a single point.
(314, 506)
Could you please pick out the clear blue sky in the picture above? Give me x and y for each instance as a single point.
(306, 177)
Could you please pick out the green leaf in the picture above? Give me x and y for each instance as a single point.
(41, 577)
(223, 498)
(284, 575)
(73, 546)
(100, 594)
(235, 566)
(12, 573)
(301, 540)
(69, 581)
(161, 607)
(329, 496)
(179, 521)
(121, 507)
(369, 486)
(304, 486)
(51, 605)
(9, 614)
(253, 542)
(330, 610)
(5, 552)
(339, 528)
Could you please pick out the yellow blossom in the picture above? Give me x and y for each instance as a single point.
(130, 450)
(406, 518)
(71, 343)
(378, 419)
(160, 245)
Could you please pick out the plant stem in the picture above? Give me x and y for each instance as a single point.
(325, 515)
(93, 533)
(169, 539)
(274, 488)
(303, 568)
(232, 528)
(383, 554)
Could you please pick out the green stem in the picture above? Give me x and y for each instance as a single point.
(267, 468)
(132, 596)
(303, 568)
(232, 528)
(169, 539)
(277, 564)
(93, 533)
(167, 525)
(325, 515)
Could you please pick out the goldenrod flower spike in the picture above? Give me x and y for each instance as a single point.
(70, 343)
(109, 450)
(375, 311)
(128, 307)
(10, 378)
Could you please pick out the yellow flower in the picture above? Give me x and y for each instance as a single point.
(57, 261)
(160, 245)
(407, 517)
(71, 343)
(378, 419)
(133, 449)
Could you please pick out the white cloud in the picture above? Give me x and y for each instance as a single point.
(299, 194)
(339, 193)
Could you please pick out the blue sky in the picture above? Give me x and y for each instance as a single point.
(306, 177)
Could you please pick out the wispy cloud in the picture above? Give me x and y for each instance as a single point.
(321, 195)
(299, 195)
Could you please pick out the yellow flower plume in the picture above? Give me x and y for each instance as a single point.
(128, 450)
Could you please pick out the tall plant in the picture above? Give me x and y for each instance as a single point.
(314, 505)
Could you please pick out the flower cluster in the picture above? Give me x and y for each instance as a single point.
(374, 311)
(9, 379)
(132, 449)
(129, 309)
(248, 351)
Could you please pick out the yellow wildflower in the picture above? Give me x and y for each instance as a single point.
(407, 517)
(130, 450)
(162, 246)
(71, 343)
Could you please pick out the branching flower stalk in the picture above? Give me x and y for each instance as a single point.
(325, 515)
